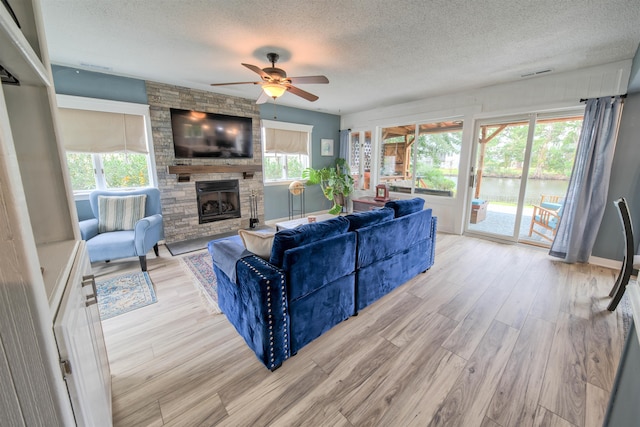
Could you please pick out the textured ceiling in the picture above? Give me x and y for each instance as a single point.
(374, 52)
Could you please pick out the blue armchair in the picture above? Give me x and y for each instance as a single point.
(147, 232)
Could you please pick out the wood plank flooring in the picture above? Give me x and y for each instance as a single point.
(492, 335)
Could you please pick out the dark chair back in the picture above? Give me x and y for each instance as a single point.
(629, 248)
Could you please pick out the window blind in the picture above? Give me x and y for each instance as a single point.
(281, 141)
(101, 132)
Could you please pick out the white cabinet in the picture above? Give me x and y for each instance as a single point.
(40, 249)
(79, 336)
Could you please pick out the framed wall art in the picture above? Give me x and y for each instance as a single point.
(326, 147)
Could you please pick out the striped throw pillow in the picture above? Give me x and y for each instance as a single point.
(120, 213)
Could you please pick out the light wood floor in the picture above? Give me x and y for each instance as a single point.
(492, 335)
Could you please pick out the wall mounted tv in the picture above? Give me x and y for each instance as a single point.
(197, 134)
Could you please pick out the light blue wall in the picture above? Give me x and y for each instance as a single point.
(625, 174)
(625, 182)
(325, 126)
(71, 81)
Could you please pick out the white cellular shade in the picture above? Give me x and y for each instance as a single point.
(101, 132)
(280, 141)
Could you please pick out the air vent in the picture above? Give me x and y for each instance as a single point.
(7, 77)
(95, 67)
(536, 73)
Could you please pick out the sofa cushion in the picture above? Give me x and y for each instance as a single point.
(305, 234)
(365, 219)
(551, 206)
(113, 245)
(257, 242)
(120, 213)
(312, 266)
(384, 240)
(405, 207)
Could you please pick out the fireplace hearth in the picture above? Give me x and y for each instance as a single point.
(218, 200)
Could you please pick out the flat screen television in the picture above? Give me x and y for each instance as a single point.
(198, 134)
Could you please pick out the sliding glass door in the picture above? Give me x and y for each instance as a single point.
(500, 157)
(520, 175)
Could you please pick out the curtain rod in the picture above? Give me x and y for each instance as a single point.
(624, 95)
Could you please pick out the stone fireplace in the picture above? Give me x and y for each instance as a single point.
(179, 195)
(218, 200)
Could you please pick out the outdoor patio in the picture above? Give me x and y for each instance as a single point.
(500, 220)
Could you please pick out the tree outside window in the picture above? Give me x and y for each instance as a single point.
(284, 167)
(125, 170)
(89, 171)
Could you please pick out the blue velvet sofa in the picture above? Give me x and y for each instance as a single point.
(138, 241)
(394, 244)
(319, 274)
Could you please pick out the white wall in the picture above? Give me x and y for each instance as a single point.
(549, 92)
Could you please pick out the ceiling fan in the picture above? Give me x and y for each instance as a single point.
(275, 81)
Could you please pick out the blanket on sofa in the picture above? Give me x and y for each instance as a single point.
(228, 252)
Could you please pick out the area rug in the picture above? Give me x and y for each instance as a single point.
(200, 267)
(124, 293)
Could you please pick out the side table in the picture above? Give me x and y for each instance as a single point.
(367, 203)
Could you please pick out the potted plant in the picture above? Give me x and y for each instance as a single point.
(336, 183)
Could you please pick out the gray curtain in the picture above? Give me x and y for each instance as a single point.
(589, 183)
(344, 144)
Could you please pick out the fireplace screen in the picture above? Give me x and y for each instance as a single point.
(218, 200)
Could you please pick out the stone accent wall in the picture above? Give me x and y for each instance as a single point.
(179, 201)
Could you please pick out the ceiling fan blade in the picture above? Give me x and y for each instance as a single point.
(309, 79)
(262, 98)
(236, 83)
(301, 93)
(258, 70)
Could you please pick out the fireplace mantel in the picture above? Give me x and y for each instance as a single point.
(184, 172)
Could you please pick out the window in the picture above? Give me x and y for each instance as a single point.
(107, 144)
(107, 170)
(360, 159)
(285, 149)
(427, 164)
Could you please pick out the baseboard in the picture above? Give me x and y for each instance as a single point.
(605, 262)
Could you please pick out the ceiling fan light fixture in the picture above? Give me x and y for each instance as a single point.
(274, 90)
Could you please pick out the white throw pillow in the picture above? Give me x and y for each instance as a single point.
(257, 243)
(118, 213)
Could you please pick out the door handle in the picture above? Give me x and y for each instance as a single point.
(91, 298)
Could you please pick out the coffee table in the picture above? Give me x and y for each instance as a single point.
(287, 225)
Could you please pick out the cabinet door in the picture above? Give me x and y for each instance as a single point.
(81, 344)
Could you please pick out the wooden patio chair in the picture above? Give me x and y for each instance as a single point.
(547, 216)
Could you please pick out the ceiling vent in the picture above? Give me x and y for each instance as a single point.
(7, 78)
(95, 67)
(536, 73)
